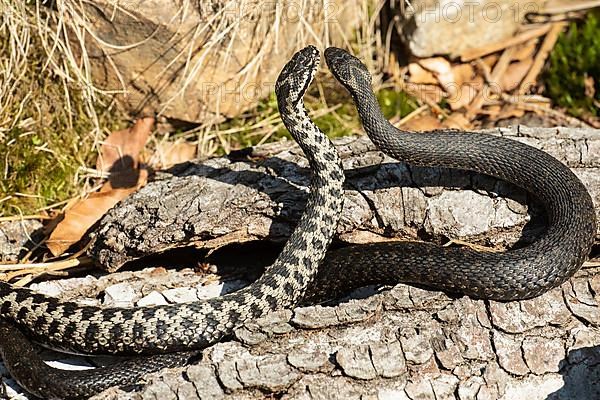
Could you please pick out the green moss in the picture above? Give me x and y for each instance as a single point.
(395, 104)
(43, 141)
(574, 61)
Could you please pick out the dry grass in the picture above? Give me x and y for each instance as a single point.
(53, 118)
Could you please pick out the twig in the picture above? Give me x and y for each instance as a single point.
(472, 54)
(540, 58)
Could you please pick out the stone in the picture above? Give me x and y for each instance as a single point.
(14, 237)
(202, 61)
(204, 292)
(465, 25)
(55, 288)
(153, 298)
(180, 295)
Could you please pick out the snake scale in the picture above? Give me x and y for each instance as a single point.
(516, 274)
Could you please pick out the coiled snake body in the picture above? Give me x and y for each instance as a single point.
(516, 274)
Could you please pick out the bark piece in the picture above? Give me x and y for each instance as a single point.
(232, 200)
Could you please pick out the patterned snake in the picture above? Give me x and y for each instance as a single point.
(181, 327)
(516, 274)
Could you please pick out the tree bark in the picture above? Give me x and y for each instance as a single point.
(378, 343)
(260, 194)
(403, 343)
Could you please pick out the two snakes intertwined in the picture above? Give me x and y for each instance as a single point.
(516, 274)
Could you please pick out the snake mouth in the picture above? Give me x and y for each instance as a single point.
(297, 75)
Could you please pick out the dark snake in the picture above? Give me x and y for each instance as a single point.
(516, 274)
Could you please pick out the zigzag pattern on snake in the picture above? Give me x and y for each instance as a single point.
(171, 328)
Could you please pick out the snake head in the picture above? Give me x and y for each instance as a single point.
(296, 76)
(347, 69)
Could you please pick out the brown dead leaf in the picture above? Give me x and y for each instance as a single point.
(120, 151)
(514, 74)
(510, 111)
(85, 213)
(171, 153)
(463, 73)
(491, 60)
(462, 98)
(589, 86)
(423, 123)
(526, 50)
(419, 74)
(428, 93)
(442, 70)
(457, 121)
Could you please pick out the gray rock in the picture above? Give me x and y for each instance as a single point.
(14, 238)
(465, 25)
(153, 298)
(180, 295)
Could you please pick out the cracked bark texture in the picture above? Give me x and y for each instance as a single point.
(378, 343)
(260, 194)
(403, 343)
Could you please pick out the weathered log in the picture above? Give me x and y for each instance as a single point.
(260, 194)
(403, 343)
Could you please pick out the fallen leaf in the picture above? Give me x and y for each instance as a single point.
(171, 153)
(514, 74)
(121, 149)
(442, 70)
(462, 98)
(422, 123)
(85, 213)
(463, 73)
(526, 50)
(510, 111)
(427, 93)
(589, 86)
(457, 121)
(491, 60)
(419, 74)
